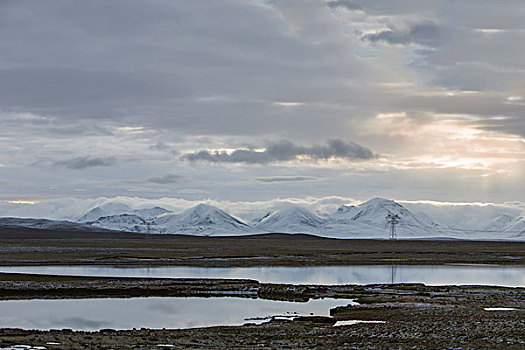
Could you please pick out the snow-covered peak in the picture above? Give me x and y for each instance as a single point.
(107, 209)
(378, 208)
(344, 213)
(202, 218)
(202, 209)
(150, 213)
(110, 209)
(92, 215)
(294, 219)
(377, 201)
(115, 207)
(381, 203)
(373, 213)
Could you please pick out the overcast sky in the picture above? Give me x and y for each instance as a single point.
(257, 100)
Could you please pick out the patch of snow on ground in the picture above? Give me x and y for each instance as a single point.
(352, 322)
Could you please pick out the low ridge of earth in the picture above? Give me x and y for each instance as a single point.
(26, 246)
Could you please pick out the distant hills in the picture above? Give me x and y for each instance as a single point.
(366, 220)
(44, 224)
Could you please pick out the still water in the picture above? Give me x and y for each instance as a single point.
(509, 276)
(96, 314)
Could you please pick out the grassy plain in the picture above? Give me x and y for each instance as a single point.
(20, 246)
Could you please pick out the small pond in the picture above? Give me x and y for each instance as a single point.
(129, 313)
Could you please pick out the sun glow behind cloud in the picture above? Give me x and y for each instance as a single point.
(449, 141)
(22, 202)
(289, 104)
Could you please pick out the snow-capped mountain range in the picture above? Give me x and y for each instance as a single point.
(365, 220)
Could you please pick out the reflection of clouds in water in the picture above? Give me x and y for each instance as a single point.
(78, 323)
(93, 314)
(496, 275)
(511, 276)
(165, 307)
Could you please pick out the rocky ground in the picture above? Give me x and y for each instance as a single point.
(421, 329)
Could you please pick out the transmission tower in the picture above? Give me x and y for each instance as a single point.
(393, 220)
(148, 228)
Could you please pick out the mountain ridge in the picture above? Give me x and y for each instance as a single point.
(366, 220)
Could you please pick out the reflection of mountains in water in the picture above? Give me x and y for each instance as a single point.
(393, 273)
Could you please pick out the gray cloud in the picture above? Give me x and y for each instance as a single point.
(86, 162)
(349, 5)
(171, 65)
(167, 179)
(146, 80)
(51, 87)
(286, 178)
(285, 151)
(87, 130)
(161, 146)
(424, 32)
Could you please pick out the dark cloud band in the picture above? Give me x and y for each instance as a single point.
(286, 178)
(167, 179)
(283, 151)
(86, 162)
(424, 32)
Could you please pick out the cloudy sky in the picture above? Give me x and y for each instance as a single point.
(238, 100)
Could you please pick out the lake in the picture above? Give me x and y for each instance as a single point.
(508, 276)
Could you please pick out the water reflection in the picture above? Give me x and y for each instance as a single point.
(510, 276)
(96, 314)
(393, 269)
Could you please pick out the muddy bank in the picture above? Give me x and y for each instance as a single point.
(14, 286)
